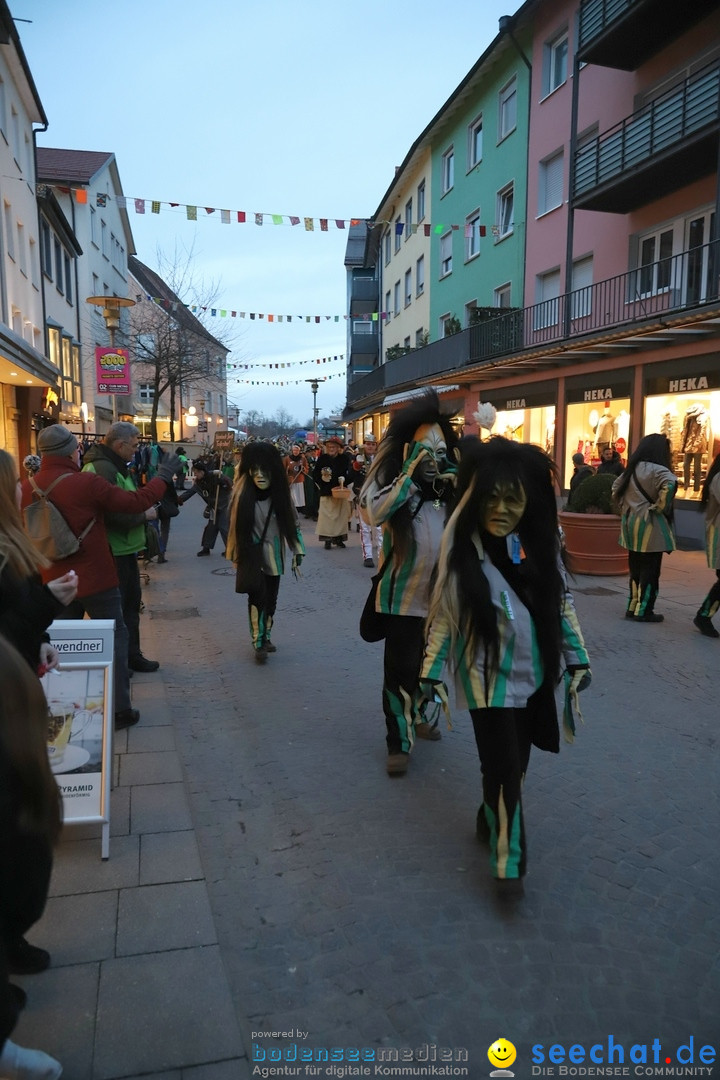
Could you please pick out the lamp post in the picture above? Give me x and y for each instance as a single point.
(111, 306)
(314, 387)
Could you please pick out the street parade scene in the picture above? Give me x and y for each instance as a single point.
(359, 671)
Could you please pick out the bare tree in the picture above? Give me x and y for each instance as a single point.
(176, 350)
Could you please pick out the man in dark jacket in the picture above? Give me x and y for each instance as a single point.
(610, 462)
(83, 500)
(580, 471)
(125, 532)
(214, 490)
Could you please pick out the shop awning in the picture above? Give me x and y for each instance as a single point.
(407, 395)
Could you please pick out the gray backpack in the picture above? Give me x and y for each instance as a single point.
(47, 528)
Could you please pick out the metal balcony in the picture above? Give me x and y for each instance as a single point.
(625, 33)
(367, 386)
(364, 289)
(665, 146)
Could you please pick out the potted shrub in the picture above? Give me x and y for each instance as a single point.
(591, 526)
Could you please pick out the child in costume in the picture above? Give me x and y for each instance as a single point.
(261, 511)
(710, 503)
(502, 618)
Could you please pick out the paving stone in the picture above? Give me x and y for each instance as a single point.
(156, 917)
(79, 868)
(170, 856)
(159, 808)
(180, 1016)
(159, 767)
(60, 1016)
(141, 740)
(78, 929)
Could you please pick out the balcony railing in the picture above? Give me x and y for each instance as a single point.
(364, 289)
(597, 15)
(682, 283)
(662, 126)
(626, 33)
(676, 284)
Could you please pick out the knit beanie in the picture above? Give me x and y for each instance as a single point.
(57, 440)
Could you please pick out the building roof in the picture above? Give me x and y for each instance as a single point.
(72, 166)
(158, 289)
(8, 36)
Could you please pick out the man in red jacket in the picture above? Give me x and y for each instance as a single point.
(82, 498)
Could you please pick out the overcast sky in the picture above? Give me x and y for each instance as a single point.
(273, 108)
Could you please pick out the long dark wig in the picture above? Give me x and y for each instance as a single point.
(390, 456)
(654, 448)
(712, 473)
(261, 455)
(461, 587)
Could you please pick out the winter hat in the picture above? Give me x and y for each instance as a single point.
(57, 440)
(334, 439)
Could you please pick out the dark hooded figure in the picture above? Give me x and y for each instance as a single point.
(261, 512)
(503, 620)
(408, 492)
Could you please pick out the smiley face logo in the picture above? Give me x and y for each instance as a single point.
(502, 1053)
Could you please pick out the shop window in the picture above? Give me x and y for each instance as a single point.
(691, 422)
(591, 425)
(534, 425)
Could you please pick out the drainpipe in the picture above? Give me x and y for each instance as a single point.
(570, 239)
(505, 26)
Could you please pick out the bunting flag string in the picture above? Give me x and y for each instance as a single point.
(242, 217)
(288, 363)
(231, 313)
(284, 382)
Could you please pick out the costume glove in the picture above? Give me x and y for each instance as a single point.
(168, 467)
(414, 453)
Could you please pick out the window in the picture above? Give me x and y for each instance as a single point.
(77, 390)
(406, 344)
(9, 237)
(45, 249)
(54, 346)
(472, 235)
(68, 279)
(555, 62)
(446, 254)
(505, 211)
(547, 289)
(582, 279)
(34, 274)
(67, 385)
(419, 338)
(656, 262)
(386, 247)
(387, 305)
(408, 218)
(96, 292)
(398, 233)
(22, 260)
(408, 288)
(550, 183)
(93, 228)
(448, 170)
(146, 391)
(421, 200)
(420, 276)
(3, 107)
(58, 265)
(15, 134)
(501, 296)
(446, 322)
(396, 299)
(507, 110)
(475, 148)
(103, 238)
(470, 313)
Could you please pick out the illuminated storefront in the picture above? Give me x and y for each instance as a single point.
(526, 416)
(597, 415)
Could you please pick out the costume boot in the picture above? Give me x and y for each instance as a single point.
(256, 618)
(269, 647)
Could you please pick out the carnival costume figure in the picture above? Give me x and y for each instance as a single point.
(332, 470)
(503, 619)
(408, 492)
(261, 512)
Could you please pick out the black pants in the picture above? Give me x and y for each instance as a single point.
(261, 610)
(503, 741)
(402, 661)
(644, 569)
(711, 603)
(131, 599)
(220, 524)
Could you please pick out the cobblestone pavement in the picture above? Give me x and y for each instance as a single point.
(359, 909)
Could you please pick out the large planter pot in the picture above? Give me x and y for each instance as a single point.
(591, 543)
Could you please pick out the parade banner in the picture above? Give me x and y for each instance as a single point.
(80, 720)
(112, 370)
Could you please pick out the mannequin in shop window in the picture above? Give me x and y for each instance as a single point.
(606, 431)
(694, 444)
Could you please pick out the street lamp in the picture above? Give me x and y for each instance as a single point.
(111, 306)
(314, 387)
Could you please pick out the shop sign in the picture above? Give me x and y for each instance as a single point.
(688, 385)
(112, 370)
(598, 393)
(527, 401)
(80, 720)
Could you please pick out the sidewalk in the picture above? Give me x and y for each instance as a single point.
(167, 955)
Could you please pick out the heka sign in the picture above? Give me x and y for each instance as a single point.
(680, 386)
